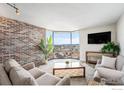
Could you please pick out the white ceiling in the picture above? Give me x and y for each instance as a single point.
(65, 17)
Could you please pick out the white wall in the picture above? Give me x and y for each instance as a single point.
(84, 46)
(120, 34)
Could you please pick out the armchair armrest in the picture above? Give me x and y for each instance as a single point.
(64, 81)
(99, 61)
(98, 64)
(29, 66)
(96, 76)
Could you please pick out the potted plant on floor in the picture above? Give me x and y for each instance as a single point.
(46, 47)
(112, 48)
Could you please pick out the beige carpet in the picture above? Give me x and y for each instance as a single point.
(74, 81)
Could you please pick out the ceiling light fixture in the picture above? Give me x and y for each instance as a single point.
(14, 6)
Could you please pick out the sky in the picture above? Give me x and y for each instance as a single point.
(61, 38)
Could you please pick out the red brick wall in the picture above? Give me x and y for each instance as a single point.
(20, 41)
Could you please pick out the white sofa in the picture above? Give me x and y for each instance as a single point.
(112, 76)
(11, 73)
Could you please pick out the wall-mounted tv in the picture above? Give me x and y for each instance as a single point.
(99, 38)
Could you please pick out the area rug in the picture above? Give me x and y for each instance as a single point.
(74, 81)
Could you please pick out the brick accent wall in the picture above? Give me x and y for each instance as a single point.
(20, 41)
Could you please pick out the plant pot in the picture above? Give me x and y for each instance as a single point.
(46, 61)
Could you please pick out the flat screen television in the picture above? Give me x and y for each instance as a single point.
(99, 38)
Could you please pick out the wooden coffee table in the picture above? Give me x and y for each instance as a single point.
(73, 69)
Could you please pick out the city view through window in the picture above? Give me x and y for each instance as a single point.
(66, 44)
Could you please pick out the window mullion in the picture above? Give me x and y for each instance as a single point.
(71, 37)
(53, 37)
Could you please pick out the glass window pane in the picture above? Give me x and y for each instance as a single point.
(48, 34)
(75, 37)
(62, 38)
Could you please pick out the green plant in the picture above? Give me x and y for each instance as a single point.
(67, 62)
(46, 47)
(111, 47)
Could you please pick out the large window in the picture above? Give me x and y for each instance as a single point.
(64, 38)
(61, 38)
(75, 37)
(66, 45)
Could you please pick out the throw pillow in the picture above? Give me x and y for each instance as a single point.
(108, 62)
(4, 79)
(19, 76)
(36, 72)
(10, 64)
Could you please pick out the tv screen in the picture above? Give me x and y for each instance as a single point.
(99, 38)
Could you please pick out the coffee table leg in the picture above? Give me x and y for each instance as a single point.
(84, 72)
(53, 72)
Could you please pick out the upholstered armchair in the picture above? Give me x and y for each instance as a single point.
(112, 75)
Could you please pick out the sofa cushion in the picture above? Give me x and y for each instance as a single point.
(108, 62)
(120, 62)
(19, 76)
(64, 81)
(4, 80)
(110, 74)
(36, 72)
(47, 79)
(9, 64)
